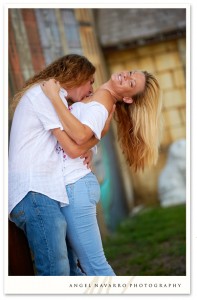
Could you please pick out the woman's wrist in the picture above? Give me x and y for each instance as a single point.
(56, 100)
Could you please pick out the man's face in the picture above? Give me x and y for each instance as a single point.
(79, 93)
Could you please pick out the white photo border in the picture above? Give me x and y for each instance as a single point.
(119, 285)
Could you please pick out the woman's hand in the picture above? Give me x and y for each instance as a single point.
(51, 88)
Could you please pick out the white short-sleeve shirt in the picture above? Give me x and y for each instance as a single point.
(33, 161)
(94, 115)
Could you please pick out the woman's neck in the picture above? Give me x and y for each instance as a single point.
(114, 95)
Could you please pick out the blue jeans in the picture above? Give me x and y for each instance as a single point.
(82, 227)
(45, 228)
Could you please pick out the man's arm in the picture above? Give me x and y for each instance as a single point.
(70, 147)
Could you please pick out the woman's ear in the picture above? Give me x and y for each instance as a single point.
(128, 100)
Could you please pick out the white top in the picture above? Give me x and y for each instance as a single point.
(94, 115)
(33, 162)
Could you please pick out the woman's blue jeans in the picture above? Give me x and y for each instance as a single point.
(82, 227)
(45, 227)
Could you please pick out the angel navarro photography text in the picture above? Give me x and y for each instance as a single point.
(125, 285)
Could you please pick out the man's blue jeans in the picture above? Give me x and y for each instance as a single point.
(45, 227)
(82, 227)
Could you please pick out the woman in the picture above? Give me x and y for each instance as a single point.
(138, 107)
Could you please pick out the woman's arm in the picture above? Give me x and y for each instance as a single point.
(74, 150)
(70, 147)
(77, 131)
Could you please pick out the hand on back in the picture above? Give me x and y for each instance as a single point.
(51, 88)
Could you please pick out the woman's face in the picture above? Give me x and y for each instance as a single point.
(128, 83)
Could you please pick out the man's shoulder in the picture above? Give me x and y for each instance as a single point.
(34, 91)
(36, 97)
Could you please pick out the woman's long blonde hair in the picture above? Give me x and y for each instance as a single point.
(71, 71)
(139, 125)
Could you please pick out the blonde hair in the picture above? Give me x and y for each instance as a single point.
(139, 125)
(71, 71)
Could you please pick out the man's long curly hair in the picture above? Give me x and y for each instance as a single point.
(71, 71)
(139, 125)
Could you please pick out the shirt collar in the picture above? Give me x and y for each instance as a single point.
(63, 94)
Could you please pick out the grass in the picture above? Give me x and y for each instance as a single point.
(150, 243)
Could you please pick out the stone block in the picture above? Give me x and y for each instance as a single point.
(178, 132)
(173, 117)
(166, 137)
(132, 65)
(167, 61)
(173, 98)
(165, 80)
(179, 77)
(183, 114)
(147, 64)
(145, 50)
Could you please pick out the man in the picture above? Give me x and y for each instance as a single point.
(36, 186)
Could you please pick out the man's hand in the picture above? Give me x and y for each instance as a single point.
(87, 158)
(108, 122)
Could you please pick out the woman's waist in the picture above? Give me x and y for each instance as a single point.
(71, 174)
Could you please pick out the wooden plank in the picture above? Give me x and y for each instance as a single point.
(71, 29)
(16, 79)
(84, 16)
(22, 43)
(49, 34)
(60, 24)
(92, 51)
(30, 24)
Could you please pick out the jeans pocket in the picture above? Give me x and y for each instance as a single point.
(94, 192)
(70, 191)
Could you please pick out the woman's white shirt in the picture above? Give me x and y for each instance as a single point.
(94, 115)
